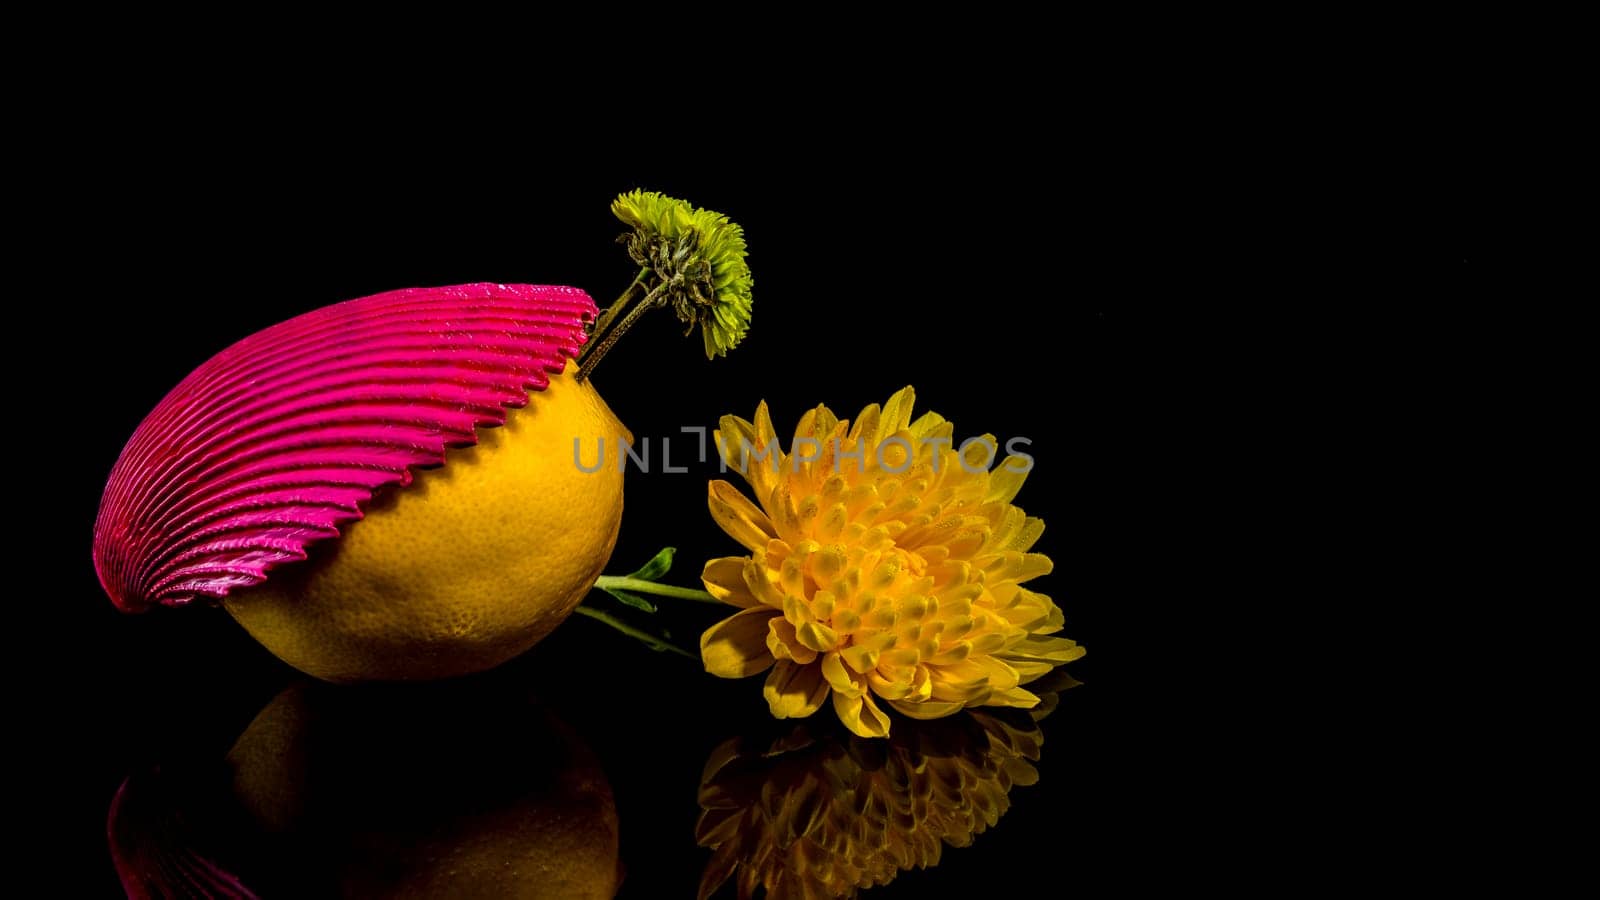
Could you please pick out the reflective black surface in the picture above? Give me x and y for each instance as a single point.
(945, 290)
(481, 787)
(464, 788)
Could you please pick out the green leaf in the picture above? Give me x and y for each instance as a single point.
(633, 600)
(658, 566)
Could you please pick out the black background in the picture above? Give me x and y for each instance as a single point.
(1001, 290)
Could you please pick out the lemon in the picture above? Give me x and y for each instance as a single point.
(466, 567)
(450, 790)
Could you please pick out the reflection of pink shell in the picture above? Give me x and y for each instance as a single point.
(275, 441)
(153, 846)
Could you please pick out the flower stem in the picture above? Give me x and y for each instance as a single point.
(641, 586)
(645, 637)
(656, 297)
(611, 312)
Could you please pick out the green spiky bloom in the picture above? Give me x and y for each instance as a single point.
(699, 256)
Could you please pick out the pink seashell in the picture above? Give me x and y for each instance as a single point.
(271, 444)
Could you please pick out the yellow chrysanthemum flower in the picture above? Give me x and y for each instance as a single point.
(823, 815)
(699, 255)
(885, 563)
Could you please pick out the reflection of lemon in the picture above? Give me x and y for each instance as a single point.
(425, 791)
(466, 567)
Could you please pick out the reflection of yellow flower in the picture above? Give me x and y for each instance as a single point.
(699, 255)
(817, 814)
(883, 563)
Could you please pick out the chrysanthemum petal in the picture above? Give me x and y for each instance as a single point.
(840, 677)
(921, 685)
(739, 517)
(733, 433)
(724, 580)
(760, 584)
(861, 657)
(889, 688)
(1016, 696)
(861, 715)
(1028, 669)
(757, 461)
(929, 709)
(929, 424)
(980, 453)
(1046, 649)
(1030, 611)
(1033, 566)
(1032, 528)
(1001, 677)
(897, 412)
(865, 428)
(784, 643)
(1006, 480)
(964, 682)
(817, 636)
(766, 435)
(736, 647)
(794, 691)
